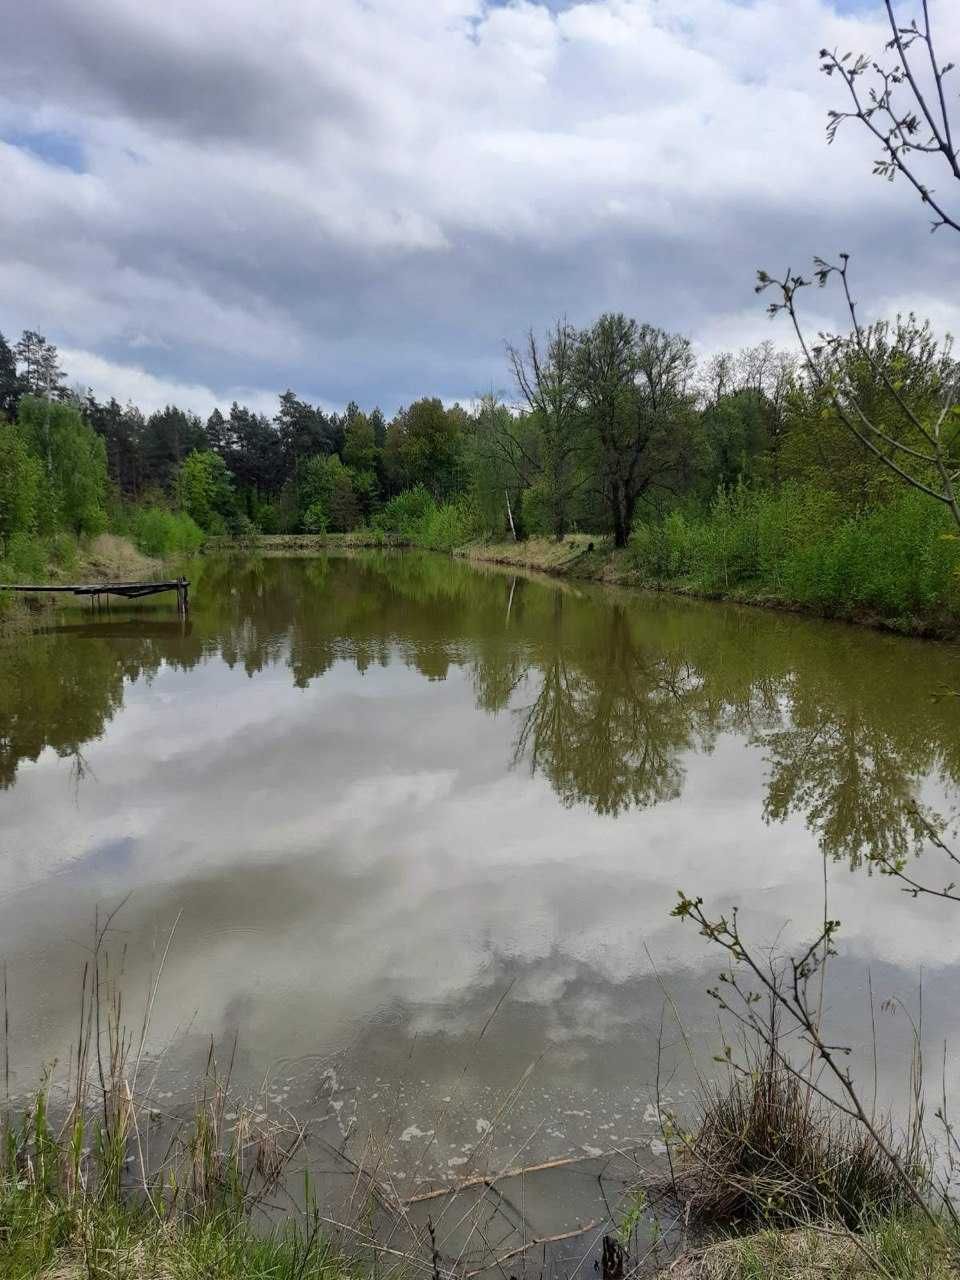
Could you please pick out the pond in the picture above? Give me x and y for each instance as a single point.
(421, 825)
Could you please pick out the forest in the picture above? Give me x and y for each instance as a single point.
(735, 474)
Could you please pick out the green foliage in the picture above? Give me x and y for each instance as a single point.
(416, 518)
(736, 438)
(20, 478)
(360, 449)
(204, 490)
(797, 544)
(537, 510)
(451, 525)
(326, 496)
(72, 458)
(424, 446)
(64, 1212)
(26, 559)
(405, 513)
(162, 533)
(315, 518)
(168, 437)
(662, 549)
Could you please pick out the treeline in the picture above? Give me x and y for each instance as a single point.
(718, 473)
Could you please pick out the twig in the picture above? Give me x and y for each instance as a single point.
(487, 1179)
(533, 1244)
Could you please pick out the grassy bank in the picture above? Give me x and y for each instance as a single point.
(895, 564)
(782, 1190)
(893, 1249)
(886, 607)
(308, 541)
(107, 557)
(82, 1198)
(51, 1236)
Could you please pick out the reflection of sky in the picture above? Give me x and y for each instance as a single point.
(357, 863)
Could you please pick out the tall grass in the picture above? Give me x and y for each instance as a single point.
(83, 1195)
(798, 545)
(768, 1151)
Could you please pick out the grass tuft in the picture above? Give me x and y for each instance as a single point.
(768, 1151)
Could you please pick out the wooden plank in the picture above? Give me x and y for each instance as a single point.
(117, 588)
(125, 590)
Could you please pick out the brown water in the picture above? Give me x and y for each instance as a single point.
(386, 792)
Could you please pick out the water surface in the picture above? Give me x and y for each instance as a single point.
(387, 794)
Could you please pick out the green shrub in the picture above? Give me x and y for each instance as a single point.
(315, 519)
(406, 514)
(662, 549)
(25, 559)
(158, 532)
(415, 517)
(797, 544)
(450, 526)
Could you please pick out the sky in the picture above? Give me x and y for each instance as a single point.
(205, 200)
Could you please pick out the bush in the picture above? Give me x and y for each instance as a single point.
(797, 544)
(407, 514)
(451, 525)
(25, 559)
(414, 517)
(663, 548)
(315, 518)
(158, 532)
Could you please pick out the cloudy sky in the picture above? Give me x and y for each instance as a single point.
(209, 199)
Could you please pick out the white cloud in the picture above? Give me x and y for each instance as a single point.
(131, 383)
(368, 199)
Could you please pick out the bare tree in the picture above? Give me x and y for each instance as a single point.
(546, 379)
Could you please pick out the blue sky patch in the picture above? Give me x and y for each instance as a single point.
(61, 149)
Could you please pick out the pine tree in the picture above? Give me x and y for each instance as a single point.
(39, 363)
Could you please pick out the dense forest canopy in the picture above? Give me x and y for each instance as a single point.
(616, 430)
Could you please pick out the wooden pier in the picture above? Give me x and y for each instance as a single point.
(96, 590)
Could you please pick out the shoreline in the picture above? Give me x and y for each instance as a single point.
(108, 556)
(586, 558)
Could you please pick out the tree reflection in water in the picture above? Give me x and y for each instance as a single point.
(613, 694)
